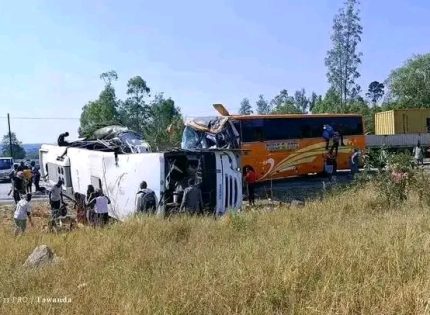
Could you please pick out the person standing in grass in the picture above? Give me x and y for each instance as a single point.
(354, 162)
(22, 213)
(250, 179)
(80, 208)
(329, 166)
(56, 196)
(418, 154)
(91, 194)
(100, 203)
(146, 200)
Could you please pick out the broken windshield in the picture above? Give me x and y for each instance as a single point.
(209, 133)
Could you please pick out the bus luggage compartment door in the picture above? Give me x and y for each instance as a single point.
(229, 184)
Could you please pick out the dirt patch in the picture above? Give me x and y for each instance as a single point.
(40, 215)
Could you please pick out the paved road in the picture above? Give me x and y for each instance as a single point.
(5, 199)
(301, 188)
(4, 190)
(285, 190)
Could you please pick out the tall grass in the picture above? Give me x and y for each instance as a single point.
(346, 254)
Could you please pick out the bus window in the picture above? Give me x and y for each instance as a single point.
(347, 126)
(252, 130)
(309, 127)
(281, 128)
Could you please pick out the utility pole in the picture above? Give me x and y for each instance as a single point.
(10, 136)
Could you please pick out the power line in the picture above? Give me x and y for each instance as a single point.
(42, 118)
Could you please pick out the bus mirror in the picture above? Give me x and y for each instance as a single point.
(221, 109)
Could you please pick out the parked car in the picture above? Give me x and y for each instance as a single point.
(6, 167)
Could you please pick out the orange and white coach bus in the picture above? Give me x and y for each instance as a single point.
(276, 146)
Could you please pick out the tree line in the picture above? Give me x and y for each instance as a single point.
(156, 118)
(406, 87)
(160, 122)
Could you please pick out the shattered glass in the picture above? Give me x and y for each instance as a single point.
(210, 133)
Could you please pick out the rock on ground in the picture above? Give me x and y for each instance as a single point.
(42, 255)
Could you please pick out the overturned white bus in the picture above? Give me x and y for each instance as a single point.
(118, 174)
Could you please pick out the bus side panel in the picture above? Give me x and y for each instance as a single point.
(280, 159)
(119, 179)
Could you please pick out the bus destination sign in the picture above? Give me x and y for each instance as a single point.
(282, 146)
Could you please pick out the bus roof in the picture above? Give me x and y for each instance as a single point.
(274, 116)
(225, 113)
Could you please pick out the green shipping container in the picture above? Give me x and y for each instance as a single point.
(402, 121)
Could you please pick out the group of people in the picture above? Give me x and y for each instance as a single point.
(190, 200)
(22, 178)
(330, 157)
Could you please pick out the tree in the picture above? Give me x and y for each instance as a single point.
(163, 130)
(301, 101)
(409, 85)
(263, 108)
(245, 107)
(329, 104)
(343, 59)
(375, 92)
(109, 76)
(18, 151)
(134, 111)
(103, 111)
(313, 101)
(284, 104)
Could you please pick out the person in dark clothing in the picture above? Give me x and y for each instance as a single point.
(146, 201)
(192, 201)
(250, 179)
(36, 175)
(328, 133)
(330, 161)
(61, 142)
(336, 142)
(21, 167)
(91, 193)
(13, 173)
(17, 187)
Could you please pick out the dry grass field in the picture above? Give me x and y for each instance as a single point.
(346, 254)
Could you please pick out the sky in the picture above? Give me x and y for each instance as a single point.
(196, 52)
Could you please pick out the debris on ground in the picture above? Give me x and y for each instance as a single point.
(297, 203)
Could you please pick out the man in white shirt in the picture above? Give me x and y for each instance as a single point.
(100, 203)
(56, 195)
(22, 212)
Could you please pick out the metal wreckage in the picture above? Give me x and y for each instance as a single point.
(116, 160)
(210, 133)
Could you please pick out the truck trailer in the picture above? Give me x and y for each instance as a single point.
(118, 175)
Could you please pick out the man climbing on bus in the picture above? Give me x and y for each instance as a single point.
(330, 134)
